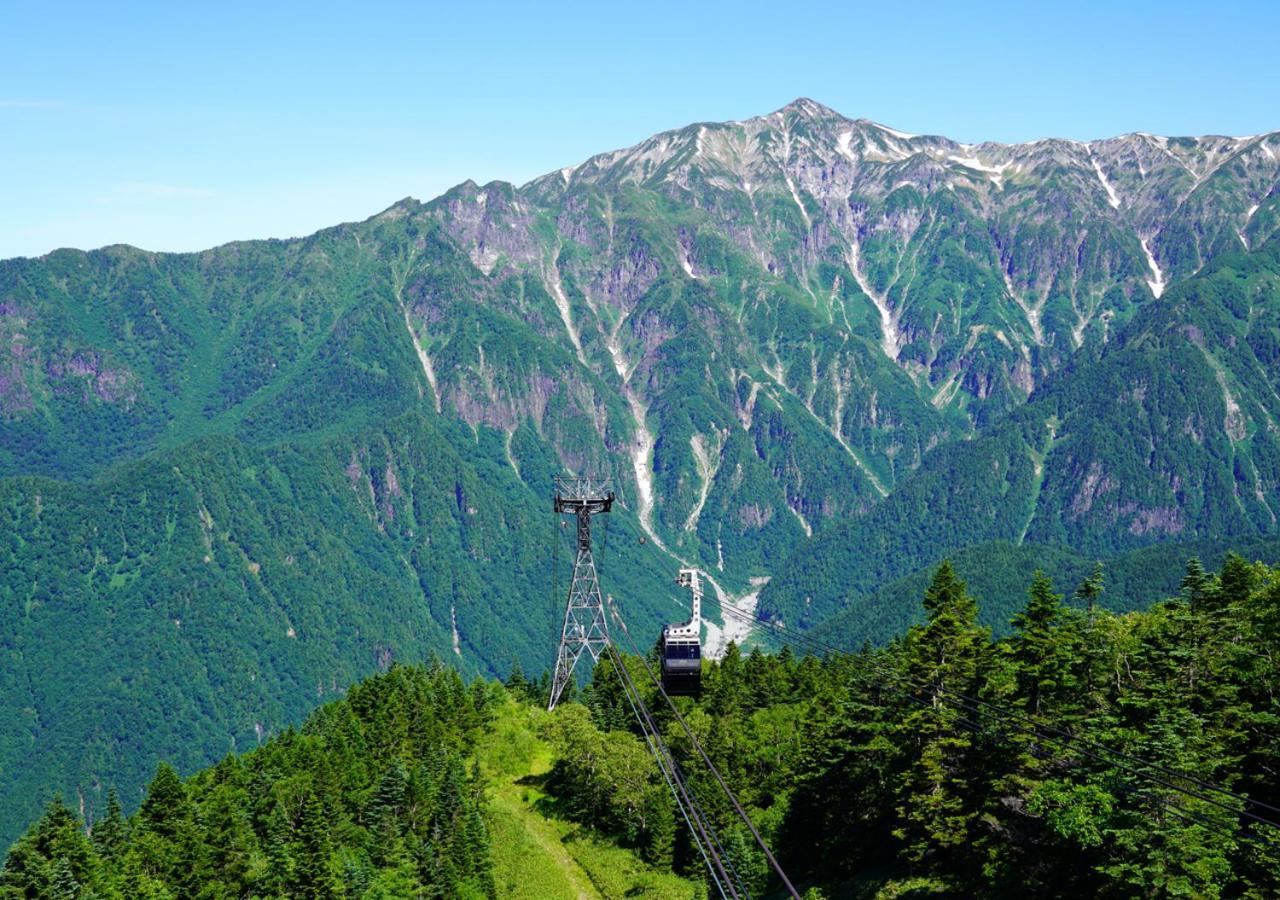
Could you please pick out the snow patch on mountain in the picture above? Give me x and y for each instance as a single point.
(995, 173)
(842, 145)
(906, 136)
(1156, 282)
(1112, 198)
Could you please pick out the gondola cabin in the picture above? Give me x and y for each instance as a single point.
(681, 646)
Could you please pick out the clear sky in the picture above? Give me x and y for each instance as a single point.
(176, 128)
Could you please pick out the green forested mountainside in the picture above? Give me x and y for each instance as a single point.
(208, 596)
(771, 334)
(1169, 433)
(376, 796)
(1087, 753)
(995, 572)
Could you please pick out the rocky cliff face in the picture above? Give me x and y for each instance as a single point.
(760, 327)
(846, 296)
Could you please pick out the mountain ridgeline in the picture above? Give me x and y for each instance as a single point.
(807, 349)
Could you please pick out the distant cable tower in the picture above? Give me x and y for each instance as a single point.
(584, 622)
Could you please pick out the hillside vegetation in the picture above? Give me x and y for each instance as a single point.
(806, 348)
(1088, 753)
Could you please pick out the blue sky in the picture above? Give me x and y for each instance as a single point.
(178, 129)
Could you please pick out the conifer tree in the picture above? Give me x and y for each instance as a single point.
(313, 875)
(279, 874)
(516, 682)
(62, 883)
(1039, 663)
(1235, 585)
(165, 808)
(1195, 584)
(1088, 637)
(109, 835)
(943, 658)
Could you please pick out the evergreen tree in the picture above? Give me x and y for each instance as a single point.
(1235, 585)
(109, 835)
(1087, 637)
(63, 884)
(313, 874)
(1195, 584)
(935, 800)
(516, 681)
(1038, 653)
(165, 808)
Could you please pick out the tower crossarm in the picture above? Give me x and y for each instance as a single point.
(693, 628)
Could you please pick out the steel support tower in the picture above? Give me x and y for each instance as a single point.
(585, 627)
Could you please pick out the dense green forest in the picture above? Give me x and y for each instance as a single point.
(996, 572)
(1086, 753)
(374, 797)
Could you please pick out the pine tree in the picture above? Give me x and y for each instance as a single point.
(943, 658)
(397, 877)
(1235, 585)
(1087, 636)
(386, 807)
(1195, 584)
(313, 874)
(516, 682)
(109, 835)
(166, 806)
(279, 874)
(62, 883)
(1039, 662)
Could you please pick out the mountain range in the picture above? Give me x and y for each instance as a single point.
(814, 353)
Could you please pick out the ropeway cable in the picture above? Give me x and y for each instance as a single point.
(742, 813)
(695, 817)
(700, 823)
(680, 805)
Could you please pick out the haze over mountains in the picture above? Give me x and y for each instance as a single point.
(809, 349)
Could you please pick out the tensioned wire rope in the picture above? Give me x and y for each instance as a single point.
(676, 795)
(697, 745)
(695, 817)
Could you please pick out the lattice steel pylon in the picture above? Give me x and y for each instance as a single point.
(584, 621)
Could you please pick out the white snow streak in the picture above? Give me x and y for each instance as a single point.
(1111, 192)
(842, 145)
(892, 340)
(795, 195)
(898, 134)
(737, 628)
(706, 473)
(1157, 282)
(551, 275)
(808, 530)
(427, 368)
(972, 162)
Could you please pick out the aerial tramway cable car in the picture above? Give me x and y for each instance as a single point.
(681, 647)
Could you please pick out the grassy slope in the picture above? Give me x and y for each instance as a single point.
(536, 854)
